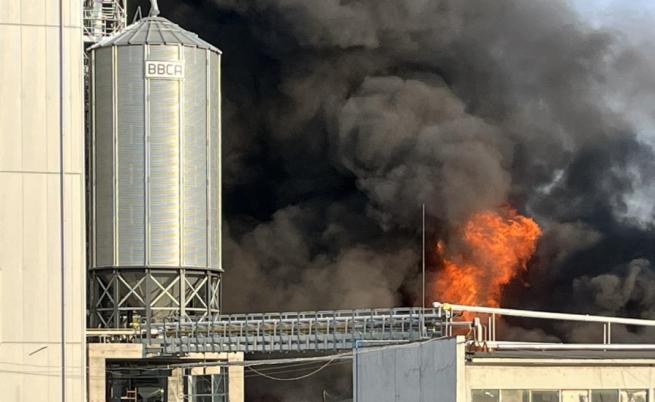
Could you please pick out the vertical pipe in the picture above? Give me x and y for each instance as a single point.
(182, 294)
(493, 324)
(208, 217)
(219, 164)
(180, 158)
(61, 201)
(356, 372)
(116, 282)
(148, 301)
(92, 156)
(489, 328)
(146, 162)
(114, 170)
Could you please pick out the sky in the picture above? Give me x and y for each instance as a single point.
(616, 12)
(635, 20)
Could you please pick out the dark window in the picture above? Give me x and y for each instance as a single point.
(545, 396)
(604, 395)
(209, 388)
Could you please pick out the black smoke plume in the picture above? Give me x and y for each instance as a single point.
(341, 117)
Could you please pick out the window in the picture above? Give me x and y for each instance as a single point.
(544, 396)
(633, 395)
(484, 395)
(604, 395)
(572, 395)
(553, 395)
(209, 388)
(515, 395)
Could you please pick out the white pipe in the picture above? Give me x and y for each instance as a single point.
(546, 315)
(566, 346)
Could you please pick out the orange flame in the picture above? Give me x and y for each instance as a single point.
(498, 245)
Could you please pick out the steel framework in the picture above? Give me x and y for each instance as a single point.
(123, 297)
(103, 18)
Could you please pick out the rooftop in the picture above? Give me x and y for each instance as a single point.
(154, 31)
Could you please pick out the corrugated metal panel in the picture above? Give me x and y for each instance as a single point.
(104, 227)
(131, 148)
(194, 166)
(215, 162)
(176, 215)
(164, 165)
(163, 53)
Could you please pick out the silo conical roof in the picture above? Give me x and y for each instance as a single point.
(154, 31)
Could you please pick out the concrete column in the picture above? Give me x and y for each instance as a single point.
(98, 353)
(176, 386)
(236, 384)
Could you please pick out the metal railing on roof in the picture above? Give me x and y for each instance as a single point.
(485, 335)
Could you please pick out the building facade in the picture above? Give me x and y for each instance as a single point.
(446, 370)
(42, 246)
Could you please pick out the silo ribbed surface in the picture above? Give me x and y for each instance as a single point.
(156, 150)
(155, 154)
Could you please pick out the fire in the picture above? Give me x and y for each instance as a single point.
(497, 247)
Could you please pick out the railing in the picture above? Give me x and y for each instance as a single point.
(322, 331)
(486, 334)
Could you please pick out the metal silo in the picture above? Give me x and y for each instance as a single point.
(155, 230)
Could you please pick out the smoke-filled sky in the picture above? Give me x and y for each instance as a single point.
(341, 117)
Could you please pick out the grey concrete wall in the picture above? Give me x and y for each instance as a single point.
(418, 372)
(30, 228)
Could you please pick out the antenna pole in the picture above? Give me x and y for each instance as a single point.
(423, 269)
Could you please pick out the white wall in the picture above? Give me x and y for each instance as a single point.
(418, 372)
(590, 376)
(30, 326)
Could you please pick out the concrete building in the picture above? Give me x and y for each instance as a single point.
(480, 368)
(120, 371)
(42, 246)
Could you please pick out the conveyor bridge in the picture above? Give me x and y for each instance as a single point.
(317, 331)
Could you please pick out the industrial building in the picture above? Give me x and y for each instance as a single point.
(42, 207)
(110, 245)
(478, 366)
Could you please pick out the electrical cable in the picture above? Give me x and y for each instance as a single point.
(291, 370)
(292, 378)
